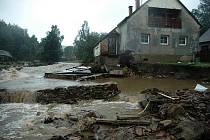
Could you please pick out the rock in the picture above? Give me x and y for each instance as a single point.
(190, 130)
(174, 111)
(48, 120)
(57, 138)
(91, 115)
(38, 113)
(166, 123)
(202, 105)
(72, 94)
(162, 134)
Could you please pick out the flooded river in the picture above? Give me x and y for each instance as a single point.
(24, 120)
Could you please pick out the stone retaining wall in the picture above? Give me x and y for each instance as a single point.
(74, 93)
(183, 71)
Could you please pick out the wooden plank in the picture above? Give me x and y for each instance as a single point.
(93, 77)
(128, 117)
(116, 122)
(144, 108)
(166, 96)
(122, 122)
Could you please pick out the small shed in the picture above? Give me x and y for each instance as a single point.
(5, 56)
(204, 47)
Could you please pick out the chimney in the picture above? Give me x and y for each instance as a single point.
(130, 10)
(137, 4)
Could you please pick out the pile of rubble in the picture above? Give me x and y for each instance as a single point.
(72, 94)
(178, 115)
(181, 115)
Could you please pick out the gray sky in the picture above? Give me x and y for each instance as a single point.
(38, 15)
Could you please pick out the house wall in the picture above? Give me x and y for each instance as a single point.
(122, 30)
(138, 23)
(101, 48)
(104, 47)
(109, 61)
(169, 4)
(97, 50)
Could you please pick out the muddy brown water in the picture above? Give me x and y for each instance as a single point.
(131, 87)
(23, 120)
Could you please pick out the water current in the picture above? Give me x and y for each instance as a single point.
(22, 118)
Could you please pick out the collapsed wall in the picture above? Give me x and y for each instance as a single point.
(72, 94)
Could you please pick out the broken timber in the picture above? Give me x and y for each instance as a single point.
(128, 117)
(69, 76)
(166, 96)
(122, 122)
(144, 108)
(116, 122)
(93, 77)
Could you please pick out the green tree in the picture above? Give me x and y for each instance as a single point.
(16, 40)
(203, 14)
(35, 49)
(52, 49)
(69, 53)
(85, 42)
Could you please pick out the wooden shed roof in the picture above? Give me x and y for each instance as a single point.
(5, 53)
(205, 37)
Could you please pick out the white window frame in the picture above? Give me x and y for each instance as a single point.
(166, 39)
(148, 38)
(185, 40)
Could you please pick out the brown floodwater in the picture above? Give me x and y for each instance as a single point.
(132, 86)
(21, 120)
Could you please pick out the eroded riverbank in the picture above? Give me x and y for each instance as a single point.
(25, 120)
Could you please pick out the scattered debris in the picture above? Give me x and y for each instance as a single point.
(93, 77)
(65, 75)
(79, 69)
(200, 88)
(182, 115)
(117, 73)
(122, 122)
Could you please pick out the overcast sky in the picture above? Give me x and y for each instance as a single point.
(38, 15)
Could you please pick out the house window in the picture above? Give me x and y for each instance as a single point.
(183, 40)
(145, 38)
(164, 39)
